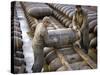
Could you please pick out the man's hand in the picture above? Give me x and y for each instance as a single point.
(74, 27)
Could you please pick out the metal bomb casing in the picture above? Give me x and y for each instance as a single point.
(64, 37)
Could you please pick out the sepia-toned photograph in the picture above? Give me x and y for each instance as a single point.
(53, 37)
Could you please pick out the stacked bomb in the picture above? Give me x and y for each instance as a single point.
(55, 62)
(16, 42)
(93, 36)
(93, 31)
(63, 19)
(64, 14)
(34, 11)
(38, 10)
(32, 21)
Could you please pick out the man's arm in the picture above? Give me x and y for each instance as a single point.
(74, 23)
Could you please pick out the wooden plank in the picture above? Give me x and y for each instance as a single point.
(87, 59)
(63, 61)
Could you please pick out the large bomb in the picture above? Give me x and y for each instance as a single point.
(61, 37)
